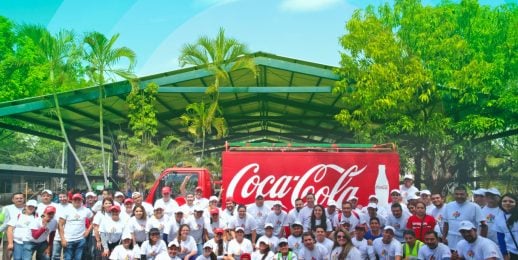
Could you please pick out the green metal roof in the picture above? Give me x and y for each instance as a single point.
(289, 100)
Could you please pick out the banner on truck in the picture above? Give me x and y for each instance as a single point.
(286, 176)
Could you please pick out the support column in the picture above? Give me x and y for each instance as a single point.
(71, 163)
(115, 161)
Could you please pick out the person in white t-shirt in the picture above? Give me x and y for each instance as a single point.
(136, 225)
(126, 250)
(246, 221)
(169, 204)
(18, 228)
(41, 230)
(293, 214)
(46, 200)
(62, 206)
(284, 251)
(438, 212)
(362, 244)
(263, 250)
(321, 238)
(398, 219)
(490, 211)
(433, 249)
(187, 243)
(158, 220)
(407, 188)
(172, 252)
(348, 218)
(259, 212)
(269, 238)
(343, 247)
(387, 247)
(199, 200)
(72, 228)
(239, 245)
(208, 253)
(111, 230)
(312, 250)
(473, 246)
(139, 201)
(154, 246)
(279, 219)
(295, 239)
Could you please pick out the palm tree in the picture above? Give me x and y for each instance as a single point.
(102, 57)
(200, 118)
(220, 55)
(59, 53)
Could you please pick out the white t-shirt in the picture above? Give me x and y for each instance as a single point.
(75, 222)
(295, 243)
(318, 252)
(235, 248)
(170, 206)
(259, 214)
(454, 213)
(21, 224)
(119, 252)
(198, 225)
(188, 211)
(442, 251)
(390, 250)
(273, 242)
(366, 251)
(327, 243)
(405, 192)
(215, 247)
(482, 248)
(173, 227)
(318, 222)
(256, 255)
(41, 207)
(202, 202)
(37, 224)
(162, 224)
(157, 248)
(399, 224)
(490, 215)
(248, 223)
(501, 227)
(112, 229)
(305, 214)
(279, 221)
(137, 227)
(354, 219)
(353, 254)
(60, 208)
(438, 214)
(10, 212)
(165, 256)
(188, 245)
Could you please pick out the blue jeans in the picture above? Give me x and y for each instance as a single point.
(30, 247)
(74, 249)
(56, 250)
(17, 251)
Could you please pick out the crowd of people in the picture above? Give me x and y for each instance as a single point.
(412, 225)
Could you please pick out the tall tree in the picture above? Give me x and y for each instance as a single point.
(103, 59)
(433, 78)
(59, 55)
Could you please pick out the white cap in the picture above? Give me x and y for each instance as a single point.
(466, 225)
(282, 240)
(277, 203)
(493, 191)
(353, 198)
(178, 210)
(126, 235)
(173, 243)
(427, 192)
(331, 203)
(263, 239)
(208, 244)
(136, 193)
(266, 225)
(88, 194)
(47, 191)
(296, 223)
(480, 192)
(32, 203)
(240, 228)
(373, 197)
(412, 197)
(390, 228)
(198, 208)
(408, 176)
(372, 205)
(159, 206)
(118, 193)
(212, 198)
(395, 190)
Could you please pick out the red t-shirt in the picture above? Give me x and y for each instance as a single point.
(420, 226)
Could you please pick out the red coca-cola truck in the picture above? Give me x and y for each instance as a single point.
(285, 172)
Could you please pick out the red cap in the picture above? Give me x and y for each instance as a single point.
(166, 190)
(214, 211)
(245, 256)
(128, 201)
(199, 188)
(77, 196)
(49, 209)
(219, 231)
(115, 208)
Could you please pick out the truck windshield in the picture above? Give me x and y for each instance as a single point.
(174, 181)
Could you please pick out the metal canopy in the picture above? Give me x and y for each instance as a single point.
(288, 100)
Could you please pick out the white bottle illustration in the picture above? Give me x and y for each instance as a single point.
(381, 187)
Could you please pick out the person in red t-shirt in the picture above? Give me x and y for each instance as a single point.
(420, 223)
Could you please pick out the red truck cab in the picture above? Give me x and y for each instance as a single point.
(174, 177)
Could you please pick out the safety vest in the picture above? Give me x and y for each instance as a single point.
(290, 256)
(412, 252)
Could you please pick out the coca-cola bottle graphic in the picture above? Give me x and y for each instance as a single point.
(381, 187)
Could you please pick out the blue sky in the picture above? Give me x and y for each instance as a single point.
(157, 29)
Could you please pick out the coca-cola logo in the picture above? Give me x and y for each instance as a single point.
(326, 181)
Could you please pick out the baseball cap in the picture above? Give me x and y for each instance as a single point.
(47, 191)
(178, 210)
(49, 209)
(88, 194)
(493, 191)
(373, 197)
(296, 223)
(118, 194)
(259, 197)
(77, 196)
(372, 205)
(136, 194)
(199, 188)
(282, 241)
(480, 192)
(466, 225)
(173, 243)
(426, 192)
(240, 228)
(33, 203)
(159, 206)
(166, 190)
(331, 203)
(268, 225)
(277, 203)
(219, 231)
(213, 198)
(412, 197)
(126, 235)
(208, 245)
(408, 176)
(390, 228)
(245, 256)
(353, 198)
(198, 208)
(128, 201)
(214, 211)
(263, 239)
(395, 191)
(115, 208)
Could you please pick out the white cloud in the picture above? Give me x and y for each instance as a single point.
(307, 5)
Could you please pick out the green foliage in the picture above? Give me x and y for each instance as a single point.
(142, 112)
(433, 79)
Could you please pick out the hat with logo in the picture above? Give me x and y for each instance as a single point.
(214, 211)
(32, 203)
(395, 191)
(240, 229)
(466, 225)
(126, 235)
(47, 191)
(208, 244)
(296, 223)
(49, 209)
(213, 198)
(412, 197)
(77, 196)
(331, 203)
(115, 208)
(283, 241)
(372, 205)
(425, 192)
(198, 208)
(178, 211)
(159, 206)
(263, 240)
(479, 192)
(173, 243)
(90, 194)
